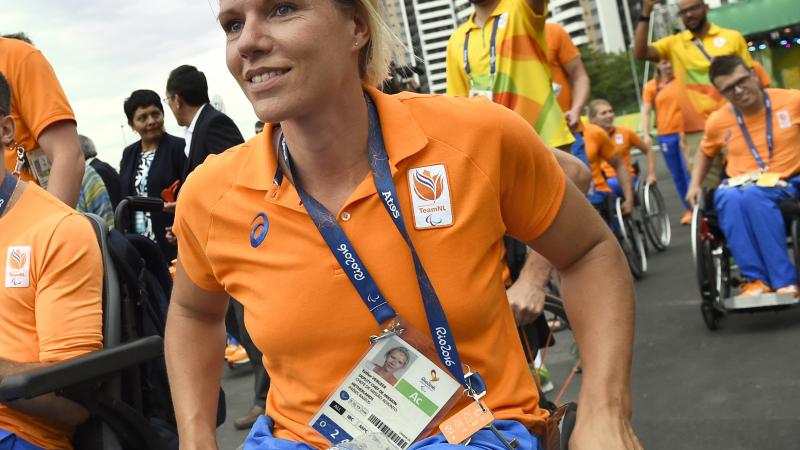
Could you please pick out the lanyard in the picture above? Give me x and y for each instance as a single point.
(358, 274)
(492, 49)
(746, 134)
(663, 86)
(702, 49)
(6, 190)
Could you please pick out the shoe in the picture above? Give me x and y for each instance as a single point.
(790, 289)
(238, 356)
(544, 378)
(753, 289)
(247, 421)
(686, 219)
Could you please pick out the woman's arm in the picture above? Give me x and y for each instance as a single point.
(598, 295)
(194, 345)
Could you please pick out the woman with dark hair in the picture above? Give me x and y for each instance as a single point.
(150, 165)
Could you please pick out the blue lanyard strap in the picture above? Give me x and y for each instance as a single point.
(6, 190)
(749, 139)
(702, 49)
(492, 49)
(355, 269)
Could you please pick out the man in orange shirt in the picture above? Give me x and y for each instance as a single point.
(761, 130)
(600, 149)
(50, 302)
(44, 122)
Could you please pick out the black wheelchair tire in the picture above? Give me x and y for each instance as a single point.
(709, 278)
(655, 217)
(637, 255)
(795, 233)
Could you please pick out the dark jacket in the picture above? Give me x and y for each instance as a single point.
(167, 166)
(213, 133)
(110, 179)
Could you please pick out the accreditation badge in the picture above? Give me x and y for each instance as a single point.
(398, 388)
(39, 165)
(768, 179)
(482, 87)
(746, 178)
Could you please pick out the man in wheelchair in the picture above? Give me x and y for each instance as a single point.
(761, 131)
(599, 149)
(50, 302)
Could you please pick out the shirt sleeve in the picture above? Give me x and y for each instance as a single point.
(40, 99)
(456, 78)
(636, 141)
(741, 50)
(567, 51)
(713, 137)
(664, 45)
(192, 226)
(69, 292)
(532, 183)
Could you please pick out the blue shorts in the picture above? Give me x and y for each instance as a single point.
(10, 441)
(260, 438)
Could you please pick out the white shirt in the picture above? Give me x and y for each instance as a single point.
(190, 130)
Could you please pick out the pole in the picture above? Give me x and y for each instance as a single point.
(628, 22)
(650, 29)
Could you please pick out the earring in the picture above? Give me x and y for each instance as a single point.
(355, 44)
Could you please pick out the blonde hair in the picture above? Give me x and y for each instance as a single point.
(375, 56)
(594, 105)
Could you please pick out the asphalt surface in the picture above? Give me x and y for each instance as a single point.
(735, 388)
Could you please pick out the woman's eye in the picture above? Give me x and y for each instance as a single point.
(232, 26)
(283, 10)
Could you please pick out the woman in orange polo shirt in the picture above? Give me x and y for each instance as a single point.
(425, 187)
(669, 102)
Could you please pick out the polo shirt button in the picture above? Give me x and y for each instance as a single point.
(345, 216)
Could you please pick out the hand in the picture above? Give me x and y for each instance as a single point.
(573, 119)
(647, 140)
(170, 236)
(627, 207)
(651, 179)
(169, 207)
(603, 431)
(693, 194)
(526, 301)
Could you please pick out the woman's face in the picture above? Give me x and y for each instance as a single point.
(290, 56)
(665, 67)
(604, 116)
(395, 361)
(148, 121)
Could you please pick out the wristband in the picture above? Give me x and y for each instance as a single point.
(644, 18)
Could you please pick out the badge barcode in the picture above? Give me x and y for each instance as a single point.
(388, 431)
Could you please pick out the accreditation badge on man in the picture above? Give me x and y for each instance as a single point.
(481, 87)
(395, 389)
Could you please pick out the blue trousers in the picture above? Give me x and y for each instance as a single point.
(616, 188)
(10, 441)
(754, 228)
(260, 438)
(578, 148)
(671, 149)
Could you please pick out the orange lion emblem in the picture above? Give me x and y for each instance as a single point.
(428, 187)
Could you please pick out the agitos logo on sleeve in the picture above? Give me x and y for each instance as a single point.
(430, 197)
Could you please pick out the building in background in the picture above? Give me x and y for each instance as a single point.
(593, 22)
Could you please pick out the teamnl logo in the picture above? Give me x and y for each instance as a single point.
(18, 267)
(430, 197)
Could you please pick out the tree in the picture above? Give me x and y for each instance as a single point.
(611, 78)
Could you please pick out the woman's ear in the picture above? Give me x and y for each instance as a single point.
(7, 130)
(361, 32)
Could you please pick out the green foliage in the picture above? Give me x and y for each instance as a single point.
(612, 79)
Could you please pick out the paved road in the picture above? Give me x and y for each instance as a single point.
(736, 388)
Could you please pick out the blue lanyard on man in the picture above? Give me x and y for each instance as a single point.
(6, 191)
(702, 49)
(492, 49)
(749, 140)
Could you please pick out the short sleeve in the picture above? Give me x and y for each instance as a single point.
(567, 51)
(455, 76)
(69, 292)
(40, 99)
(636, 141)
(649, 94)
(663, 46)
(741, 50)
(191, 226)
(532, 183)
(713, 137)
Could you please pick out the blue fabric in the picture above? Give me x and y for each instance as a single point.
(598, 198)
(10, 441)
(671, 149)
(753, 225)
(616, 189)
(578, 148)
(260, 438)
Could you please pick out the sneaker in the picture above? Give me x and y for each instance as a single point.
(753, 289)
(790, 289)
(544, 378)
(686, 219)
(246, 422)
(238, 356)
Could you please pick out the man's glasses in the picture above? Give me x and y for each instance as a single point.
(690, 9)
(168, 98)
(740, 83)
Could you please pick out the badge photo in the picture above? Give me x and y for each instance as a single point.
(784, 120)
(430, 197)
(18, 267)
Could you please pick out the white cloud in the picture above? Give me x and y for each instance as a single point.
(102, 50)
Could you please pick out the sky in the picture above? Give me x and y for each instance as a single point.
(102, 50)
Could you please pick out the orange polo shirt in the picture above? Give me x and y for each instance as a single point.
(502, 180)
(723, 131)
(623, 139)
(599, 149)
(37, 100)
(58, 315)
(669, 102)
(560, 51)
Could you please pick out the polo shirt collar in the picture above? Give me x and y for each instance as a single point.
(501, 8)
(402, 136)
(713, 30)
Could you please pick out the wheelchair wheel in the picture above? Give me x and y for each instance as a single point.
(697, 216)
(632, 242)
(560, 357)
(654, 215)
(795, 234)
(714, 279)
